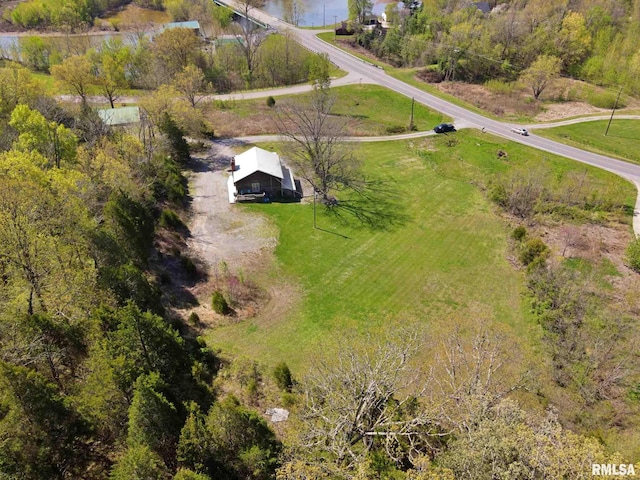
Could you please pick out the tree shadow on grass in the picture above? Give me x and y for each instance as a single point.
(375, 205)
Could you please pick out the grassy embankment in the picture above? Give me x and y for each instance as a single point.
(621, 140)
(446, 258)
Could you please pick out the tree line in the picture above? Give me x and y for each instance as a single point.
(588, 40)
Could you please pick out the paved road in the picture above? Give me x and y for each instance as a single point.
(369, 73)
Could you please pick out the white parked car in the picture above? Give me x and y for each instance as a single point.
(520, 131)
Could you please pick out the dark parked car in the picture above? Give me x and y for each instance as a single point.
(444, 128)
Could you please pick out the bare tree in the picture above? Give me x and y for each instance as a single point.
(252, 35)
(475, 371)
(366, 399)
(317, 149)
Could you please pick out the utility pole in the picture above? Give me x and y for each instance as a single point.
(315, 193)
(335, 27)
(411, 125)
(615, 105)
(324, 23)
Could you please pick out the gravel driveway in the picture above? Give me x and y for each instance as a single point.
(220, 231)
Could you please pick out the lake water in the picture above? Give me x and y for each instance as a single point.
(315, 12)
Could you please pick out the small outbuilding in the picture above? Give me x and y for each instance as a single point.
(189, 25)
(119, 117)
(259, 175)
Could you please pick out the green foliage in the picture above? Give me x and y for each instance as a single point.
(271, 101)
(195, 444)
(170, 219)
(532, 250)
(139, 462)
(18, 87)
(184, 474)
(243, 444)
(604, 99)
(633, 254)
(128, 283)
(189, 266)
(194, 318)
(170, 183)
(219, 303)
(178, 145)
(131, 223)
(153, 420)
(395, 129)
(519, 233)
(499, 86)
(43, 437)
(38, 54)
(319, 66)
(142, 343)
(54, 141)
(282, 375)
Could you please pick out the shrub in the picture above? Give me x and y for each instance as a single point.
(283, 378)
(271, 101)
(194, 318)
(633, 255)
(189, 266)
(604, 99)
(532, 250)
(219, 303)
(519, 233)
(170, 219)
(393, 129)
(498, 86)
(498, 194)
(288, 399)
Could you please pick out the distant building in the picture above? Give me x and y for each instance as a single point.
(120, 116)
(190, 25)
(258, 174)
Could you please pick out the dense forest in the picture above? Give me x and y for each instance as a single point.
(100, 378)
(594, 40)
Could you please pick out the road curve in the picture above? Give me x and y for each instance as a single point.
(369, 73)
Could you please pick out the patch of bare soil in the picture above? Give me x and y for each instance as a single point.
(559, 111)
(234, 246)
(511, 105)
(594, 243)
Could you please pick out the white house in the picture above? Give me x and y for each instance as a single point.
(258, 173)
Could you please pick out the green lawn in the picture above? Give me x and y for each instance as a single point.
(448, 259)
(372, 109)
(621, 141)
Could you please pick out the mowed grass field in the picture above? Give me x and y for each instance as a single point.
(369, 109)
(446, 258)
(621, 141)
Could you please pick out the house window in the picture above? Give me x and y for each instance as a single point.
(255, 187)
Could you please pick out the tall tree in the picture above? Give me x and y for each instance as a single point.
(139, 462)
(366, 401)
(317, 149)
(359, 10)
(252, 37)
(175, 48)
(109, 68)
(153, 420)
(75, 74)
(541, 73)
(54, 141)
(190, 83)
(40, 435)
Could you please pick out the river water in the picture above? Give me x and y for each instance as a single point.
(314, 13)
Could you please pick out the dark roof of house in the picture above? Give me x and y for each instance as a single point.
(484, 7)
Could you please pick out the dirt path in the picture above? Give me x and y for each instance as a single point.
(220, 232)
